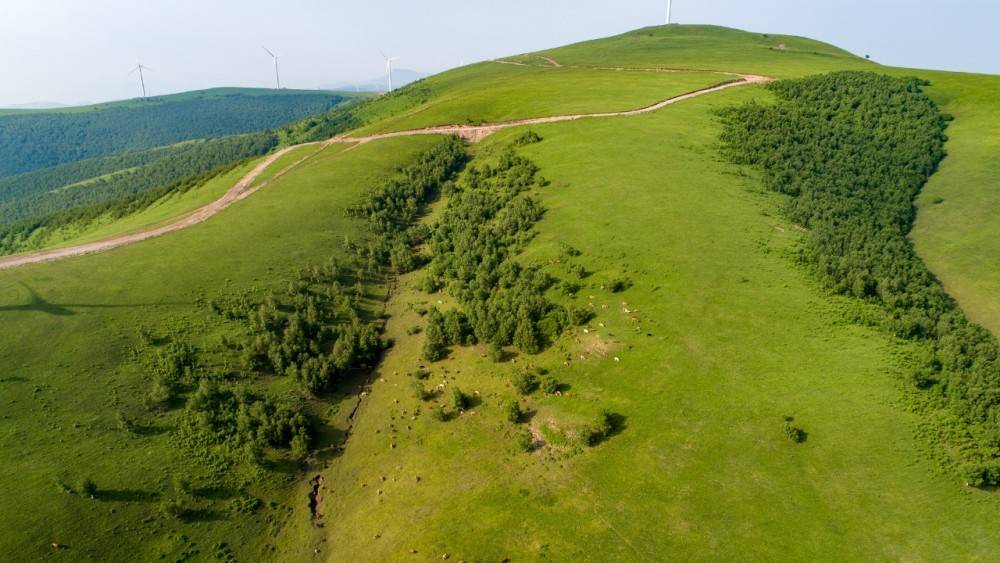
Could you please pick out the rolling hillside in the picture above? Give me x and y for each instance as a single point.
(588, 338)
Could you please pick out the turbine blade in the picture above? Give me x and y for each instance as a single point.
(268, 51)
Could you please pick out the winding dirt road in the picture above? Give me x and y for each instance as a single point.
(244, 187)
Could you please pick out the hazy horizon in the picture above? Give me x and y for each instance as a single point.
(71, 53)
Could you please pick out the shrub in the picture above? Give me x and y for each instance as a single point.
(549, 385)
(524, 382)
(160, 395)
(496, 352)
(599, 428)
(420, 392)
(619, 285)
(435, 340)
(794, 433)
(299, 446)
(512, 411)
(579, 316)
(569, 288)
(439, 414)
(525, 441)
(527, 138)
(459, 400)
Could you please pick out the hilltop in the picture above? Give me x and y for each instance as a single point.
(609, 324)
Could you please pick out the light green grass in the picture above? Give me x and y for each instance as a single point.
(731, 338)
(492, 91)
(65, 369)
(958, 222)
(163, 212)
(707, 47)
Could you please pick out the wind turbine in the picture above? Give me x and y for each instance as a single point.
(388, 67)
(277, 77)
(142, 81)
(668, 11)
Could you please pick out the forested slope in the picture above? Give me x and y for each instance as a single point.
(33, 140)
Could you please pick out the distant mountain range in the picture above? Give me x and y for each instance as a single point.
(400, 77)
(39, 105)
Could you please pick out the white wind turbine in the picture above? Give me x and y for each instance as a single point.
(277, 77)
(668, 11)
(142, 81)
(388, 67)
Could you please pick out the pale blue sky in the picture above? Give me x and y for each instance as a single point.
(82, 50)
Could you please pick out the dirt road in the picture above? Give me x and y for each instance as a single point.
(244, 187)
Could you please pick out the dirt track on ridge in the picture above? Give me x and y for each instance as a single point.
(244, 187)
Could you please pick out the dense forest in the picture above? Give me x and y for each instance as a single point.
(853, 150)
(36, 140)
(169, 166)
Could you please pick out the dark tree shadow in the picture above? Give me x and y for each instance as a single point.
(202, 515)
(527, 416)
(619, 423)
(38, 304)
(140, 429)
(215, 493)
(14, 379)
(127, 495)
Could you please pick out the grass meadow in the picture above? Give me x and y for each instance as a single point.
(67, 373)
(717, 339)
(725, 338)
(958, 221)
(492, 91)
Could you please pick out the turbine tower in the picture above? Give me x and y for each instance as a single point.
(388, 68)
(669, 2)
(142, 81)
(277, 77)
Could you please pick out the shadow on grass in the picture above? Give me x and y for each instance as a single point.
(215, 493)
(126, 495)
(14, 379)
(38, 304)
(203, 515)
(145, 430)
(619, 423)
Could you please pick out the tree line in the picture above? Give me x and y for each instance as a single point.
(853, 150)
(169, 169)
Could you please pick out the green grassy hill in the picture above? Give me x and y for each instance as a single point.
(660, 426)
